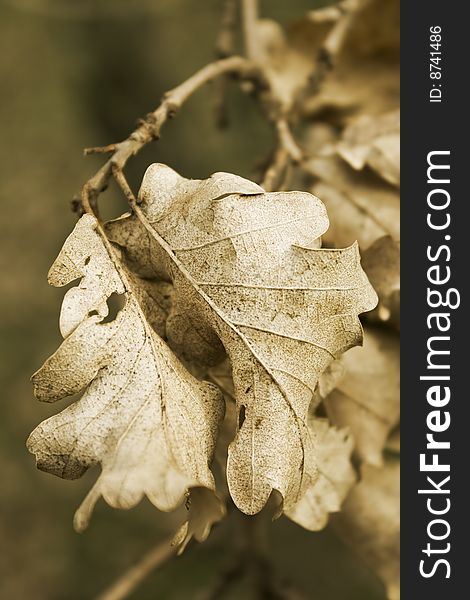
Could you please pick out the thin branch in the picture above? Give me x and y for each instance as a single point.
(287, 152)
(249, 19)
(286, 183)
(100, 149)
(274, 174)
(132, 578)
(122, 182)
(287, 140)
(149, 129)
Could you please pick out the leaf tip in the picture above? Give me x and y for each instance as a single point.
(82, 516)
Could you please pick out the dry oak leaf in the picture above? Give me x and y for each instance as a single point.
(336, 476)
(333, 450)
(361, 206)
(365, 77)
(247, 268)
(367, 398)
(289, 60)
(327, 382)
(291, 57)
(373, 141)
(370, 522)
(150, 425)
(381, 262)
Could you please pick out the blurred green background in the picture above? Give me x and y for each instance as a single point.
(76, 74)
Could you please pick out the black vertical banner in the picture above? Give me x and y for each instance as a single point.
(435, 423)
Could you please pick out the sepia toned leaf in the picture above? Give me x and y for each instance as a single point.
(367, 398)
(370, 522)
(293, 59)
(150, 425)
(369, 52)
(287, 68)
(204, 509)
(247, 269)
(374, 141)
(327, 382)
(336, 476)
(361, 206)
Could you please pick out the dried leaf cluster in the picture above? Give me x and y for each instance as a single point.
(231, 347)
(247, 278)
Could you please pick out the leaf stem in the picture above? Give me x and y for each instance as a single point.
(150, 127)
(287, 140)
(287, 152)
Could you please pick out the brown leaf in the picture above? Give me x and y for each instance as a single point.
(369, 52)
(374, 141)
(370, 522)
(327, 382)
(333, 449)
(149, 424)
(204, 509)
(367, 398)
(286, 67)
(247, 268)
(361, 206)
(292, 59)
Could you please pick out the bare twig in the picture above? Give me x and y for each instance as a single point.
(100, 149)
(287, 152)
(287, 140)
(131, 579)
(274, 174)
(122, 182)
(149, 129)
(249, 19)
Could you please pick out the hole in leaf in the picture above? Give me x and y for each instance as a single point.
(92, 313)
(115, 302)
(87, 260)
(241, 416)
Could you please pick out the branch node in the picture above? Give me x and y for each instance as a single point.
(171, 109)
(100, 149)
